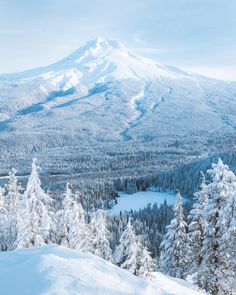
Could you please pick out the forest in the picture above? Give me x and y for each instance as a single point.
(194, 239)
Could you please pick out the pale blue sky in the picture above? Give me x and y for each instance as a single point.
(197, 35)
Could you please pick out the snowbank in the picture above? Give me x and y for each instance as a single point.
(55, 270)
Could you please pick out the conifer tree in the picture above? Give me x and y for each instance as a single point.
(3, 221)
(80, 235)
(123, 255)
(101, 234)
(228, 280)
(216, 271)
(197, 226)
(13, 196)
(34, 188)
(131, 253)
(146, 262)
(174, 248)
(64, 217)
(35, 226)
(72, 229)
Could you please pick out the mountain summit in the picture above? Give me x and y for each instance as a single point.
(103, 92)
(99, 61)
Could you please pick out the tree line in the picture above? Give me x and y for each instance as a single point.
(178, 240)
(205, 248)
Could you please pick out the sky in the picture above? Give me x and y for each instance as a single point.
(195, 35)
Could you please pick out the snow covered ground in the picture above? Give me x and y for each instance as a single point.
(139, 200)
(55, 270)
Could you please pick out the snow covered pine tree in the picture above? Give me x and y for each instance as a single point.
(64, 217)
(13, 196)
(36, 222)
(131, 254)
(101, 235)
(72, 230)
(146, 263)
(174, 248)
(196, 228)
(217, 271)
(3, 221)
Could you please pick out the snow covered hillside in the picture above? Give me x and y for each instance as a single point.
(106, 96)
(55, 270)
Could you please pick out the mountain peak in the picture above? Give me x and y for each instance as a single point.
(99, 60)
(105, 42)
(97, 47)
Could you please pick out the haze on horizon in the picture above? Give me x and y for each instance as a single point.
(199, 36)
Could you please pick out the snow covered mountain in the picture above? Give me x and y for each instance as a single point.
(98, 61)
(104, 93)
(54, 270)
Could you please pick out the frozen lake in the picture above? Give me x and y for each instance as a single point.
(139, 200)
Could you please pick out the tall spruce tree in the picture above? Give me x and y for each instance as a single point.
(3, 221)
(13, 195)
(101, 234)
(174, 248)
(80, 235)
(131, 253)
(216, 270)
(196, 227)
(128, 250)
(146, 263)
(228, 280)
(36, 223)
(72, 229)
(64, 217)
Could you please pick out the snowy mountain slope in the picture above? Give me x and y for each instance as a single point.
(106, 84)
(104, 93)
(97, 61)
(54, 270)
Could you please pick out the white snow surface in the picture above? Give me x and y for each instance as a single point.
(55, 270)
(139, 200)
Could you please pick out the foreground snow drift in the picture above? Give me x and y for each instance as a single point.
(57, 270)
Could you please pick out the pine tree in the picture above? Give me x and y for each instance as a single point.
(214, 272)
(197, 226)
(34, 188)
(80, 236)
(72, 229)
(174, 248)
(101, 234)
(13, 196)
(228, 280)
(64, 217)
(36, 224)
(3, 221)
(146, 262)
(123, 251)
(131, 254)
